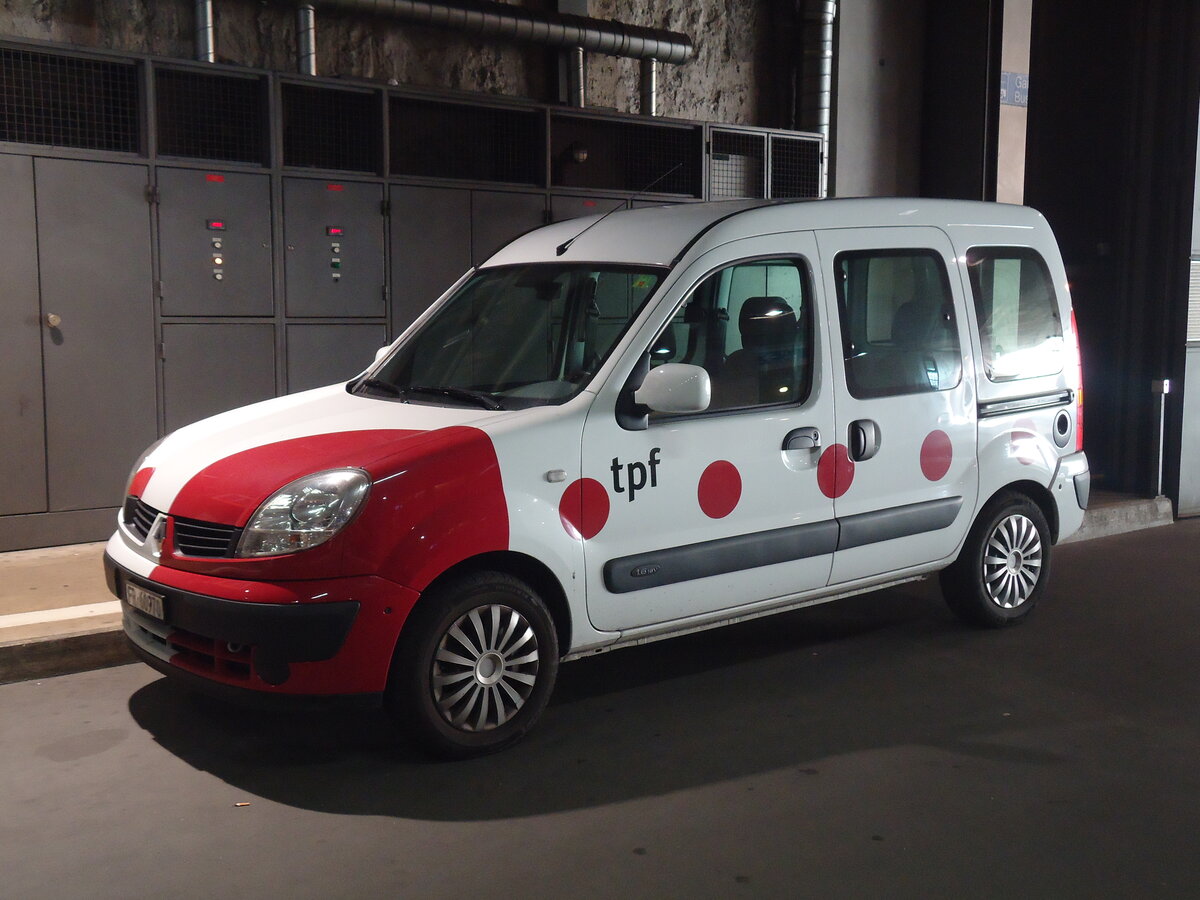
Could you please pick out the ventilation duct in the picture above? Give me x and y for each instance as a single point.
(519, 24)
(816, 78)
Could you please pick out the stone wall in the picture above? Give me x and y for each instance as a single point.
(720, 84)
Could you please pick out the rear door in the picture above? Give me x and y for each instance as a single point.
(903, 474)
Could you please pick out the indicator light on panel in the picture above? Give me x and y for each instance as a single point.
(215, 224)
(218, 260)
(334, 230)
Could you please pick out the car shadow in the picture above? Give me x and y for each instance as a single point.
(788, 691)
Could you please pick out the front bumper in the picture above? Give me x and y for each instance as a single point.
(328, 637)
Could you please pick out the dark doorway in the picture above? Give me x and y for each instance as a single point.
(1111, 163)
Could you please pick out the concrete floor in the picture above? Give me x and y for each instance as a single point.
(868, 748)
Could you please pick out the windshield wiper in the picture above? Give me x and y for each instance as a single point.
(378, 384)
(480, 398)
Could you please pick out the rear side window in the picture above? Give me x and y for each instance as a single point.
(899, 334)
(1019, 326)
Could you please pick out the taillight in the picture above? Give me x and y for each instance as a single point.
(1078, 384)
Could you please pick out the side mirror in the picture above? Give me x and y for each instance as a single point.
(675, 388)
(382, 352)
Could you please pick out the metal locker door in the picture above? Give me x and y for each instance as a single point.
(214, 239)
(318, 355)
(564, 206)
(334, 257)
(209, 368)
(431, 247)
(499, 216)
(22, 412)
(93, 232)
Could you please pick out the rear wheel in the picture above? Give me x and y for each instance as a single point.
(474, 666)
(1002, 571)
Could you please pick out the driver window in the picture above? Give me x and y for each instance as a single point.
(750, 326)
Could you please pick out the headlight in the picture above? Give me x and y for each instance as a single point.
(305, 513)
(137, 466)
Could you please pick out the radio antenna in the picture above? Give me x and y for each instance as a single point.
(565, 245)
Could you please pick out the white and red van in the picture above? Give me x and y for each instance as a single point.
(620, 429)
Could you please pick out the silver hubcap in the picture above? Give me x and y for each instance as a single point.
(485, 668)
(1012, 561)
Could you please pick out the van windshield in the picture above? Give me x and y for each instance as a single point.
(516, 336)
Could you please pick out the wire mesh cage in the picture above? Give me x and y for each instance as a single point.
(736, 164)
(619, 155)
(207, 116)
(68, 101)
(433, 139)
(795, 166)
(327, 128)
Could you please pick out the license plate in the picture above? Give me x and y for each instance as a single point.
(147, 601)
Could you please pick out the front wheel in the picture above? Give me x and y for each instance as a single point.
(474, 666)
(1002, 571)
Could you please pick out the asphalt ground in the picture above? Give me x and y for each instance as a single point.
(872, 747)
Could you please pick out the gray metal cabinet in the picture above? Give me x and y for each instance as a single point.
(214, 237)
(499, 216)
(93, 233)
(209, 368)
(325, 354)
(334, 257)
(566, 206)
(22, 427)
(431, 246)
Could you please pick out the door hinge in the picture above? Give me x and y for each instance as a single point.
(162, 349)
(547, 217)
(158, 289)
(151, 193)
(385, 207)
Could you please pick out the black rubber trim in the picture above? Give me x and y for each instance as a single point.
(719, 557)
(256, 699)
(299, 632)
(1024, 404)
(897, 522)
(1083, 489)
(725, 218)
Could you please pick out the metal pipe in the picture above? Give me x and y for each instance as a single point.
(206, 34)
(816, 77)
(576, 77)
(649, 105)
(306, 39)
(520, 24)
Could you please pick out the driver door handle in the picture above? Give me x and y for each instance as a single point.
(802, 439)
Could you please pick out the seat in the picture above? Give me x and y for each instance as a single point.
(764, 370)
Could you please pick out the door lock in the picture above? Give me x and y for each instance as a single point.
(53, 320)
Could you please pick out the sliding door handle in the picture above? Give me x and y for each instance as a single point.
(863, 439)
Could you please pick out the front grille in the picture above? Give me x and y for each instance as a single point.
(138, 516)
(195, 538)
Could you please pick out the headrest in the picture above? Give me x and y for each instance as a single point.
(766, 323)
(912, 324)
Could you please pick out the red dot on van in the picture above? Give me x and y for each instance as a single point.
(583, 508)
(720, 489)
(835, 471)
(936, 455)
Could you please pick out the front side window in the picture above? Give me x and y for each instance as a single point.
(750, 326)
(517, 336)
(1020, 330)
(899, 334)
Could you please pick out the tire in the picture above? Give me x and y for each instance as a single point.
(474, 666)
(1002, 571)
